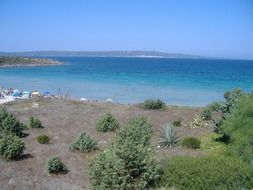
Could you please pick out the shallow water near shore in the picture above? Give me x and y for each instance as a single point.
(193, 82)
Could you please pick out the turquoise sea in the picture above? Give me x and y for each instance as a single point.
(132, 80)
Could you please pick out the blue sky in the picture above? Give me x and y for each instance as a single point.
(220, 28)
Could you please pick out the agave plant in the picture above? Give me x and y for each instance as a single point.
(169, 137)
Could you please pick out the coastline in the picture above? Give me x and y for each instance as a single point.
(7, 61)
(31, 64)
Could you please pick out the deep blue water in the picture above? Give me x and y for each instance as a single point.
(131, 80)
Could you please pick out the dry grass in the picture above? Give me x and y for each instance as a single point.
(63, 121)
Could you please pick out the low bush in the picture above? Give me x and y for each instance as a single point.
(215, 106)
(35, 123)
(107, 123)
(191, 142)
(198, 122)
(55, 166)
(207, 173)
(153, 104)
(238, 128)
(11, 125)
(232, 98)
(43, 139)
(108, 172)
(3, 114)
(177, 123)
(11, 147)
(129, 163)
(83, 143)
(206, 114)
(169, 137)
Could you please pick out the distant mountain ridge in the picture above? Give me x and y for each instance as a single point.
(100, 54)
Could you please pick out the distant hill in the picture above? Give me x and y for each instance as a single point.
(99, 54)
(8, 61)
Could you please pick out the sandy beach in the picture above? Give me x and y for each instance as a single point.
(6, 99)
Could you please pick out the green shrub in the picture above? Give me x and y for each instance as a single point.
(207, 173)
(177, 123)
(239, 128)
(43, 139)
(107, 123)
(55, 166)
(3, 114)
(11, 125)
(35, 123)
(11, 147)
(191, 142)
(206, 114)
(107, 171)
(232, 98)
(138, 131)
(83, 143)
(130, 158)
(153, 104)
(215, 106)
(169, 137)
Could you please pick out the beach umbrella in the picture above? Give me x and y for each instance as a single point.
(109, 100)
(36, 93)
(46, 93)
(15, 94)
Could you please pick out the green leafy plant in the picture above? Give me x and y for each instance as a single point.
(55, 166)
(11, 125)
(191, 142)
(83, 143)
(209, 172)
(169, 137)
(206, 114)
(3, 114)
(11, 147)
(232, 98)
(107, 171)
(215, 106)
(107, 123)
(198, 122)
(43, 139)
(130, 158)
(238, 129)
(35, 123)
(153, 104)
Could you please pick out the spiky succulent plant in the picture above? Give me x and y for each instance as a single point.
(169, 137)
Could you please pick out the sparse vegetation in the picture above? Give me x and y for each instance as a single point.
(11, 147)
(35, 123)
(83, 143)
(191, 142)
(151, 104)
(169, 137)
(130, 159)
(55, 166)
(107, 123)
(43, 139)
(211, 172)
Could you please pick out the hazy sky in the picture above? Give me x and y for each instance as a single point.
(222, 28)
